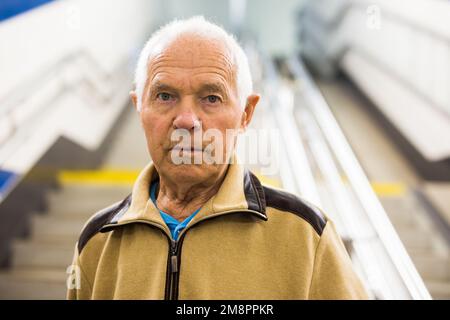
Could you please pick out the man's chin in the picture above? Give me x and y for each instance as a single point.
(189, 172)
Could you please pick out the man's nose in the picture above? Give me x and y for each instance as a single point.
(186, 120)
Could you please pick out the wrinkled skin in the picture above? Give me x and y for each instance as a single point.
(191, 83)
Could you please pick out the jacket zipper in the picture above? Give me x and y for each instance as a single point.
(173, 263)
(173, 266)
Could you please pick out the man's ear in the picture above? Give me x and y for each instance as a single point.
(252, 101)
(133, 97)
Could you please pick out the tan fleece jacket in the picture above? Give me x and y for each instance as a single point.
(249, 241)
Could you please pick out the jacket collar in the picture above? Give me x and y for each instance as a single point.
(241, 191)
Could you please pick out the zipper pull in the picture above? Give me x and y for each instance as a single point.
(173, 247)
(174, 258)
(174, 264)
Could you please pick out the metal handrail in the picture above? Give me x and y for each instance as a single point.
(361, 185)
(281, 104)
(18, 96)
(347, 213)
(280, 113)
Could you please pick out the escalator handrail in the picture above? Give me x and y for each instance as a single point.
(361, 185)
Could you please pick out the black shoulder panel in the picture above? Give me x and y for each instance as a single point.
(254, 193)
(102, 218)
(286, 201)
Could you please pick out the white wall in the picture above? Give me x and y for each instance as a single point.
(400, 58)
(66, 69)
(217, 11)
(274, 24)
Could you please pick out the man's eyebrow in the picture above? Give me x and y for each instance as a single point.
(213, 87)
(160, 86)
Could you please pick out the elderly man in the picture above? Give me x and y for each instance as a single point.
(205, 229)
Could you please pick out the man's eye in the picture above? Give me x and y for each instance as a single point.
(212, 99)
(164, 96)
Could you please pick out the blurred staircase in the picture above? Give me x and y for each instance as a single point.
(39, 263)
(422, 240)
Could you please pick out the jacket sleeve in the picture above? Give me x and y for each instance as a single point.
(333, 275)
(78, 286)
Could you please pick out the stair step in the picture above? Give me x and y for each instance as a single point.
(439, 289)
(28, 254)
(438, 194)
(433, 267)
(402, 222)
(400, 212)
(416, 239)
(56, 238)
(33, 284)
(83, 191)
(50, 228)
(418, 252)
(84, 201)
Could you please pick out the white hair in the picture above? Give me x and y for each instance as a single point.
(199, 26)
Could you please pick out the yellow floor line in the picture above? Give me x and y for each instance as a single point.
(111, 176)
(389, 189)
(98, 177)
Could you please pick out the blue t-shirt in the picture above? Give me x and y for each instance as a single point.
(174, 225)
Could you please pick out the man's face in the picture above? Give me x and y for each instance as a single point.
(190, 85)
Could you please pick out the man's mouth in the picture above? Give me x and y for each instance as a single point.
(186, 148)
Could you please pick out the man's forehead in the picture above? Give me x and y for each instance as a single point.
(191, 51)
(198, 59)
(200, 82)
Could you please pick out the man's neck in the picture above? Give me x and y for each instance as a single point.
(181, 200)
